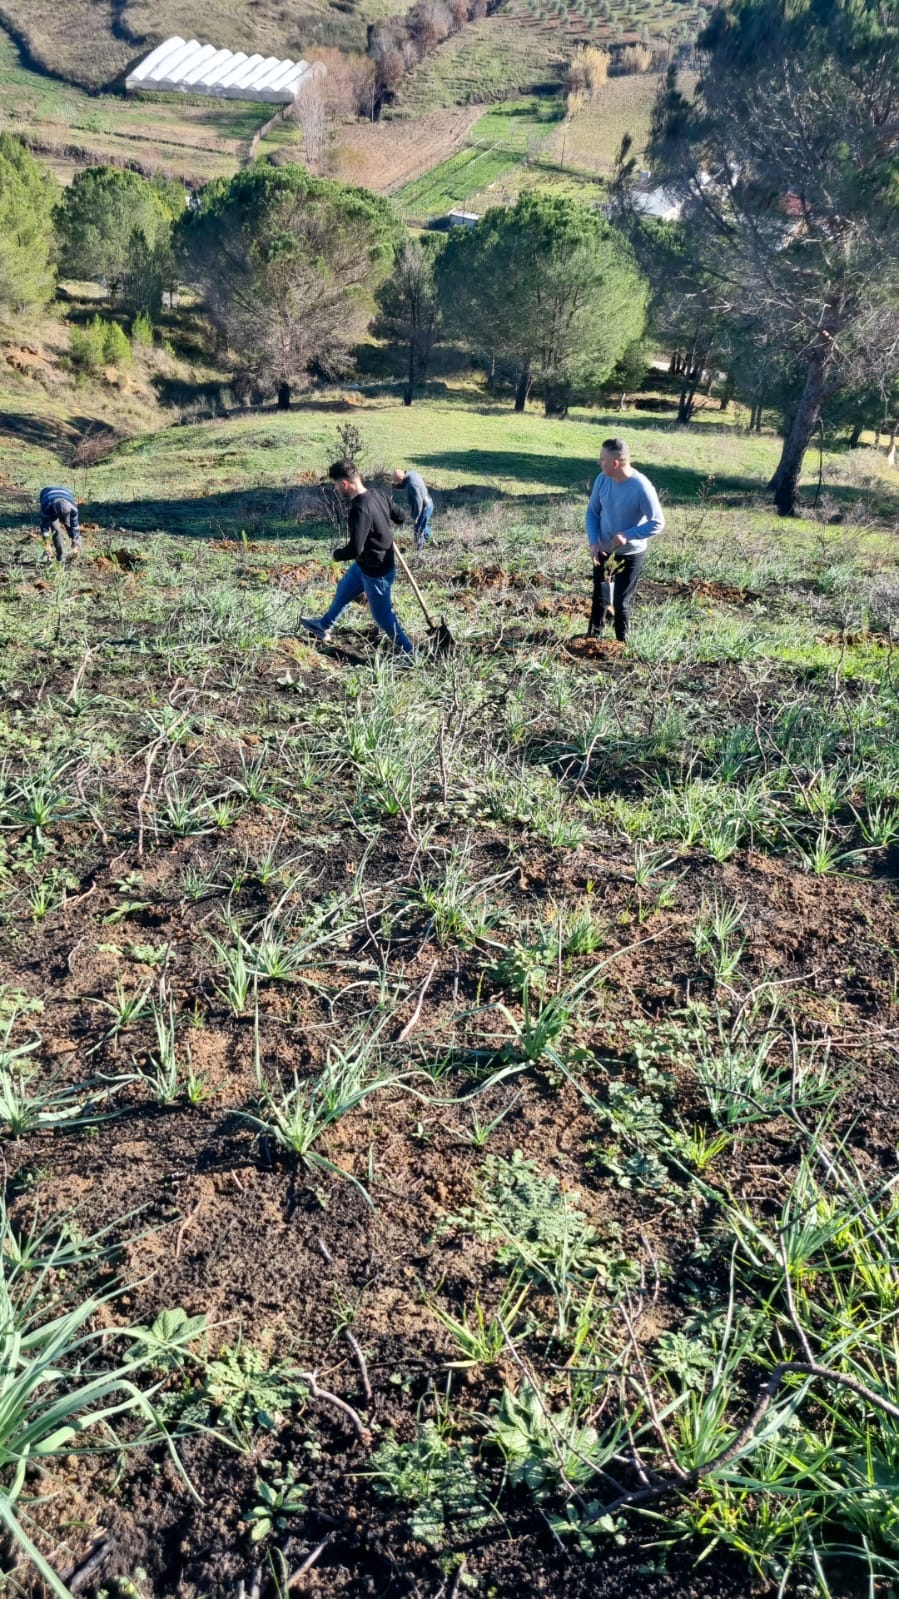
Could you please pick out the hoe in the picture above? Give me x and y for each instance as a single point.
(440, 639)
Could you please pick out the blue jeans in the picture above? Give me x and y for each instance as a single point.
(377, 591)
(423, 527)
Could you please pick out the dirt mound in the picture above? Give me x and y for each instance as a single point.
(593, 649)
(726, 592)
(495, 577)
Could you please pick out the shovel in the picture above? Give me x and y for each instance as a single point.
(440, 639)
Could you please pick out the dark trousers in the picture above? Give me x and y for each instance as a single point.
(624, 587)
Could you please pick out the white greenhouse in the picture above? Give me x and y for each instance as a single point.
(184, 66)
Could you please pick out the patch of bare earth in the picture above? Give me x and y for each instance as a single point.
(385, 155)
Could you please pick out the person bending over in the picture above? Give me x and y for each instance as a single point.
(420, 504)
(370, 549)
(59, 517)
(623, 515)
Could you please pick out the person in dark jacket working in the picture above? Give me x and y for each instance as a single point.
(370, 548)
(420, 504)
(59, 516)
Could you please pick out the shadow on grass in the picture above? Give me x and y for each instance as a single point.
(677, 482)
(259, 514)
(47, 432)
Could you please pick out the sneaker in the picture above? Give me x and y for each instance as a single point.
(313, 626)
(593, 632)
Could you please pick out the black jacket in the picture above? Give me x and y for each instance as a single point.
(370, 539)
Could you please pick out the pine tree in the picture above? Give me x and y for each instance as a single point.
(28, 194)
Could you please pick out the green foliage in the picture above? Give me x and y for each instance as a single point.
(288, 265)
(142, 330)
(99, 344)
(165, 1342)
(248, 1392)
(437, 1481)
(540, 1229)
(27, 196)
(793, 101)
(61, 1376)
(541, 1448)
(549, 287)
(281, 1499)
(409, 312)
(99, 215)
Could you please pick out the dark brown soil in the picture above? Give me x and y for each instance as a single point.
(287, 1258)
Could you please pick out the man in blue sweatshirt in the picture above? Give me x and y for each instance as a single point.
(59, 515)
(420, 504)
(623, 515)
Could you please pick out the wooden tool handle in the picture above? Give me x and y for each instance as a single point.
(415, 588)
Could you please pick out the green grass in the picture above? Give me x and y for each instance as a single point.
(450, 184)
(486, 61)
(233, 473)
(493, 150)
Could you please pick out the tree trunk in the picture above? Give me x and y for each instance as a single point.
(785, 482)
(891, 447)
(491, 374)
(855, 436)
(556, 399)
(523, 387)
(409, 390)
(283, 396)
(687, 401)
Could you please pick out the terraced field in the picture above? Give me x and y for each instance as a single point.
(488, 61)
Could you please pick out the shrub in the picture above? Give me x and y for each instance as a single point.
(587, 69)
(116, 346)
(636, 58)
(86, 346)
(142, 330)
(99, 343)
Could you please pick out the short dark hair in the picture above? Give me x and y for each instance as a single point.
(617, 447)
(343, 469)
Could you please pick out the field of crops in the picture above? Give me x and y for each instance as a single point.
(449, 1113)
(608, 21)
(495, 144)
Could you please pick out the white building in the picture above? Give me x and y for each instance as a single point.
(184, 66)
(659, 203)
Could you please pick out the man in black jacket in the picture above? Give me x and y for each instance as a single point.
(370, 548)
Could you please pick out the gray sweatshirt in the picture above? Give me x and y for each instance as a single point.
(417, 490)
(631, 508)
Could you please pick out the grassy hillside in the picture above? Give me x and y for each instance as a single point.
(488, 1067)
(235, 475)
(197, 140)
(93, 42)
(589, 142)
(488, 60)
